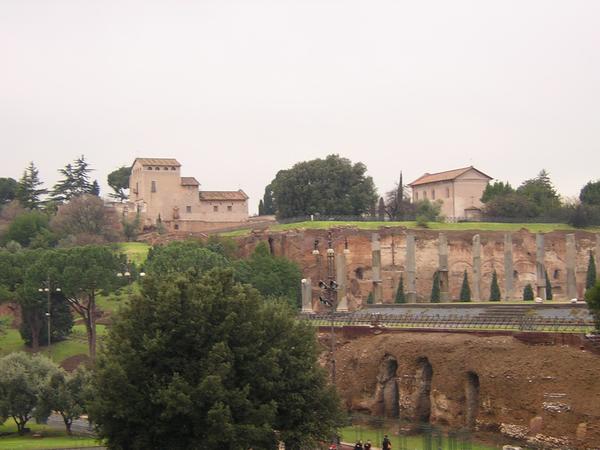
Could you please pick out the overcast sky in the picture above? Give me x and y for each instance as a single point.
(236, 90)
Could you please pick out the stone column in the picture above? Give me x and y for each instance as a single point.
(342, 280)
(376, 256)
(508, 267)
(540, 269)
(571, 263)
(476, 291)
(307, 296)
(411, 269)
(443, 267)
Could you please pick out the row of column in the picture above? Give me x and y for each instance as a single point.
(443, 267)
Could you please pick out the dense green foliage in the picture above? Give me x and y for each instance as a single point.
(497, 189)
(76, 181)
(400, 295)
(427, 211)
(330, 186)
(495, 288)
(186, 257)
(209, 364)
(590, 278)
(528, 292)
(8, 190)
(22, 378)
(590, 193)
(435, 287)
(465, 289)
(30, 227)
(29, 192)
(541, 192)
(118, 180)
(592, 297)
(370, 298)
(274, 277)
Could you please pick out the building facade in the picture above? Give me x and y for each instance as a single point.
(158, 193)
(459, 190)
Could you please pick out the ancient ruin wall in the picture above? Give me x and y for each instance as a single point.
(464, 380)
(298, 245)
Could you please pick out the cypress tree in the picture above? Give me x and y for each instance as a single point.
(261, 208)
(495, 289)
(28, 188)
(435, 288)
(370, 298)
(548, 286)
(528, 292)
(400, 298)
(381, 210)
(590, 279)
(465, 290)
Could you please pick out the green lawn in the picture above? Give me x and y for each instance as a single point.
(480, 226)
(135, 251)
(352, 434)
(52, 438)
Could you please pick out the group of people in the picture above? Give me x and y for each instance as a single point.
(385, 445)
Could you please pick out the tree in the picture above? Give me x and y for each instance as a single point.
(435, 287)
(495, 288)
(592, 298)
(261, 208)
(8, 190)
(84, 272)
(187, 257)
(95, 189)
(65, 393)
(35, 318)
(465, 289)
(541, 192)
(274, 277)
(211, 365)
(268, 203)
(22, 378)
(496, 189)
(590, 193)
(512, 205)
(64, 189)
(81, 176)
(330, 186)
(427, 211)
(118, 180)
(528, 292)
(400, 296)
(28, 188)
(370, 298)
(590, 278)
(75, 182)
(548, 286)
(27, 226)
(87, 220)
(381, 210)
(397, 202)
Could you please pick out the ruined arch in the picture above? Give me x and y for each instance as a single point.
(388, 388)
(471, 399)
(423, 377)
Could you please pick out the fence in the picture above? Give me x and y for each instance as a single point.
(454, 322)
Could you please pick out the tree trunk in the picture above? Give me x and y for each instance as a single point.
(68, 423)
(90, 326)
(35, 337)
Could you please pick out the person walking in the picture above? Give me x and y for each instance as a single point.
(358, 445)
(367, 445)
(386, 444)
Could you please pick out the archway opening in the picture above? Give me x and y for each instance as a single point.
(387, 379)
(423, 377)
(472, 399)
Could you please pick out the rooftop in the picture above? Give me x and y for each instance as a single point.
(189, 181)
(223, 195)
(448, 175)
(157, 162)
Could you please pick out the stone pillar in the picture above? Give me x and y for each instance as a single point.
(443, 267)
(342, 280)
(376, 256)
(571, 263)
(476, 291)
(508, 267)
(307, 296)
(411, 269)
(540, 269)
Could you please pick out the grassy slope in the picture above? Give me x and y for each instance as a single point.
(481, 226)
(53, 438)
(135, 251)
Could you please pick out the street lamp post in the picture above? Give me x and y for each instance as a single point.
(47, 288)
(129, 277)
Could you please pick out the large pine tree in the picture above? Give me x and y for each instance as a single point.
(29, 192)
(75, 181)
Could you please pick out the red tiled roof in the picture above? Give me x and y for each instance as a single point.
(444, 176)
(223, 195)
(157, 162)
(189, 181)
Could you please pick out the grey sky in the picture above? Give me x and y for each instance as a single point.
(239, 90)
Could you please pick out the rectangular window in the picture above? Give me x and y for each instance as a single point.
(447, 192)
(188, 209)
(230, 208)
(215, 208)
(153, 187)
(433, 194)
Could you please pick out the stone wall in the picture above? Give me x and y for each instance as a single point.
(298, 246)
